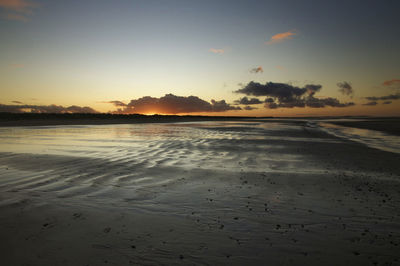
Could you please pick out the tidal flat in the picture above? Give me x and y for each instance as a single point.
(246, 192)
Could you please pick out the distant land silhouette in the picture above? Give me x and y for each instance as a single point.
(389, 125)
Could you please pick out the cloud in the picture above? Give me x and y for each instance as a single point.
(281, 68)
(283, 95)
(345, 88)
(312, 89)
(248, 108)
(391, 82)
(279, 90)
(17, 9)
(384, 98)
(247, 101)
(16, 65)
(373, 103)
(332, 102)
(172, 104)
(257, 70)
(117, 103)
(280, 37)
(217, 51)
(387, 102)
(58, 109)
(269, 100)
(17, 102)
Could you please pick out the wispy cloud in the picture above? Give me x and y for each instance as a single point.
(249, 108)
(281, 68)
(116, 103)
(19, 10)
(16, 65)
(384, 98)
(217, 51)
(280, 37)
(257, 70)
(373, 103)
(391, 82)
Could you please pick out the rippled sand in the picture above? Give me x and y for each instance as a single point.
(213, 193)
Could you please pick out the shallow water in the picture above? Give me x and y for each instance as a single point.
(123, 162)
(182, 144)
(371, 138)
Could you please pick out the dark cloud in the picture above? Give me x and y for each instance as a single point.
(57, 109)
(269, 100)
(247, 101)
(332, 102)
(257, 70)
(345, 88)
(248, 107)
(384, 98)
(17, 102)
(312, 89)
(172, 104)
(387, 102)
(271, 105)
(283, 95)
(373, 103)
(279, 90)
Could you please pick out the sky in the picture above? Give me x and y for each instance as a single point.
(242, 58)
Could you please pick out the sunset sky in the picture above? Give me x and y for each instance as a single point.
(289, 58)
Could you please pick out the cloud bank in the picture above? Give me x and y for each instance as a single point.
(283, 95)
(172, 104)
(56, 109)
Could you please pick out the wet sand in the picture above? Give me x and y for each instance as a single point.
(217, 193)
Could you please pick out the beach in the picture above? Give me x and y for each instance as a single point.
(244, 192)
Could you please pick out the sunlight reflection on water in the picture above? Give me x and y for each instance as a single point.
(371, 138)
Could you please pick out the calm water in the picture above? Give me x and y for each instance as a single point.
(180, 144)
(189, 140)
(372, 138)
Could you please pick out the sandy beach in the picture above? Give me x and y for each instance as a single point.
(255, 192)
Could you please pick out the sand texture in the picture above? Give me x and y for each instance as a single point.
(196, 193)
